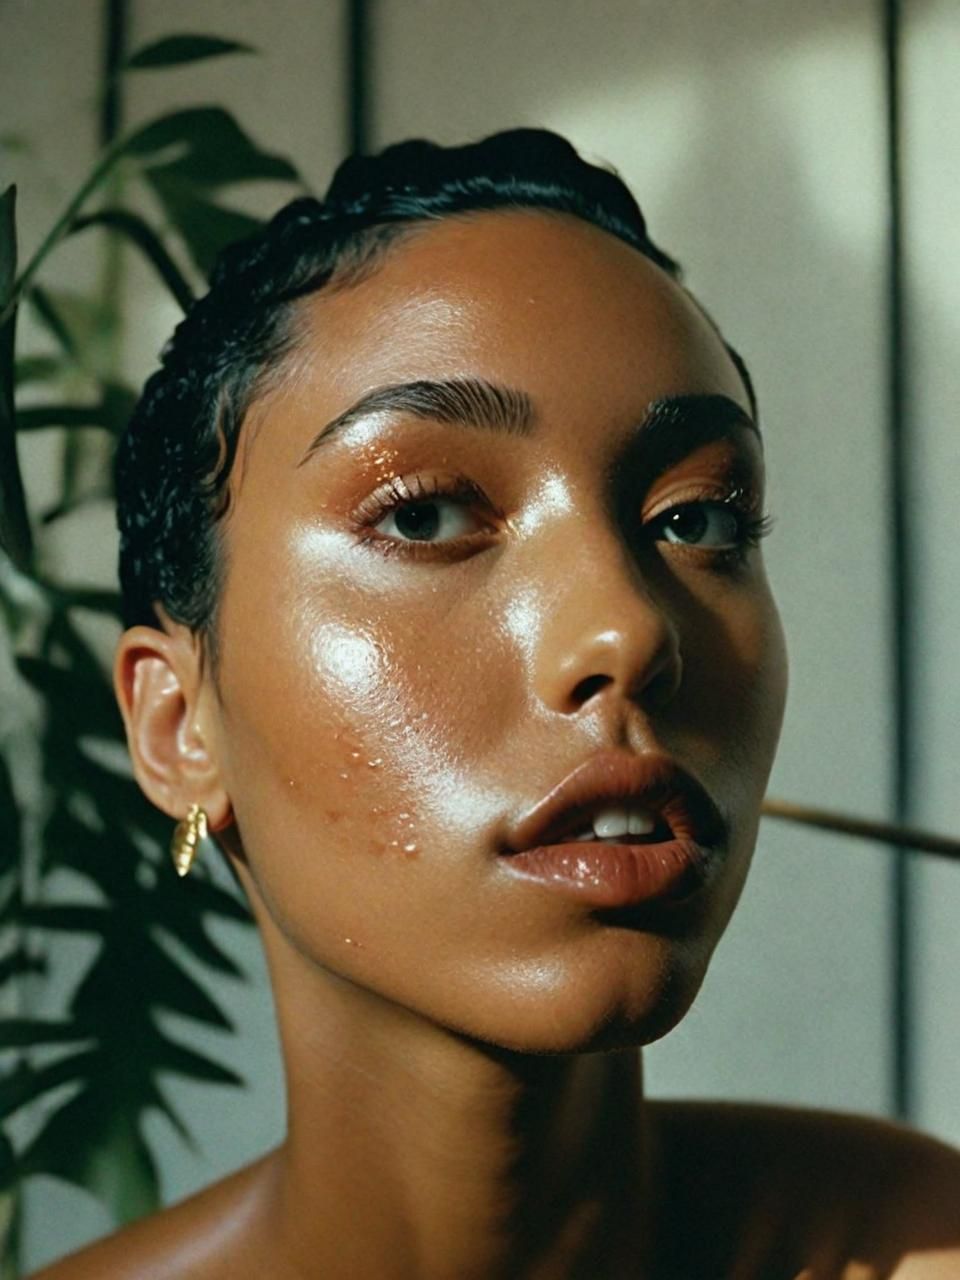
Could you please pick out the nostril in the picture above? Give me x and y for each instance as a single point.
(588, 686)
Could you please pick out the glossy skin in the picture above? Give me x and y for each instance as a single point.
(401, 702)
(378, 719)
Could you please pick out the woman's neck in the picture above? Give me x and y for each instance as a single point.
(412, 1152)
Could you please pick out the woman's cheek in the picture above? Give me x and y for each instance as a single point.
(369, 701)
(378, 733)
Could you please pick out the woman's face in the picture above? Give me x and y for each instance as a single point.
(443, 604)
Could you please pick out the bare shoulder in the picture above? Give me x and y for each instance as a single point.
(846, 1190)
(210, 1236)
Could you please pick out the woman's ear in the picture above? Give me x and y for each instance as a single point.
(170, 713)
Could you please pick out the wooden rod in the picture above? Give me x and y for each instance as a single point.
(864, 828)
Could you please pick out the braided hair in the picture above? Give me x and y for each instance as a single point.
(175, 457)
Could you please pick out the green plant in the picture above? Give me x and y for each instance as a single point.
(81, 853)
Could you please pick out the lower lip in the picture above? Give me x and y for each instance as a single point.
(615, 875)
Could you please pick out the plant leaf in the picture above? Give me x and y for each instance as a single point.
(24, 1032)
(140, 233)
(106, 859)
(122, 1171)
(209, 149)
(111, 414)
(66, 916)
(188, 928)
(70, 318)
(94, 1141)
(8, 1162)
(174, 51)
(8, 243)
(118, 403)
(76, 503)
(96, 599)
(15, 534)
(63, 640)
(160, 982)
(206, 896)
(42, 417)
(37, 369)
(85, 705)
(24, 1083)
(205, 228)
(163, 1103)
(10, 824)
(108, 856)
(20, 961)
(187, 1062)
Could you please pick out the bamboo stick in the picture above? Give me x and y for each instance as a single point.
(864, 828)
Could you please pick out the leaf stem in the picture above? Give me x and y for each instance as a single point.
(147, 241)
(63, 224)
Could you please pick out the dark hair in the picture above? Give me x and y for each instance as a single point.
(175, 457)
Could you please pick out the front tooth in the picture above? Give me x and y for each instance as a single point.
(610, 822)
(641, 822)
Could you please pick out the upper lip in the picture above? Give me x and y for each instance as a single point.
(651, 781)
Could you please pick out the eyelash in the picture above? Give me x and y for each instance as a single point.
(750, 531)
(400, 491)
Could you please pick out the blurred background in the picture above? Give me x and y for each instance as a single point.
(801, 162)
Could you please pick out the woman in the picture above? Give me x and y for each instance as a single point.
(447, 617)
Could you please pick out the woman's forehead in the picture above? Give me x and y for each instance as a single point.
(542, 294)
(545, 304)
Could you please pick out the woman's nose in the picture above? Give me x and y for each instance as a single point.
(607, 635)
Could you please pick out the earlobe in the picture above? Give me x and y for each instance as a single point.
(159, 684)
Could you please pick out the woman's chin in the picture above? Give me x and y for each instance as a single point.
(626, 1002)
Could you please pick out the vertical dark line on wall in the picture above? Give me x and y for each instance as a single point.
(115, 14)
(902, 1075)
(358, 75)
(81, 457)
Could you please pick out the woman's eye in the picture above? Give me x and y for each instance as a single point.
(716, 525)
(428, 520)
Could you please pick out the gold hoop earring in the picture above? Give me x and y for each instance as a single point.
(186, 838)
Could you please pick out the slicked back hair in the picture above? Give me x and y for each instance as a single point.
(175, 458)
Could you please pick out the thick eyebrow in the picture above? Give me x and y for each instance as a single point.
(462, 402)
(674, 425)
(670, 430)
